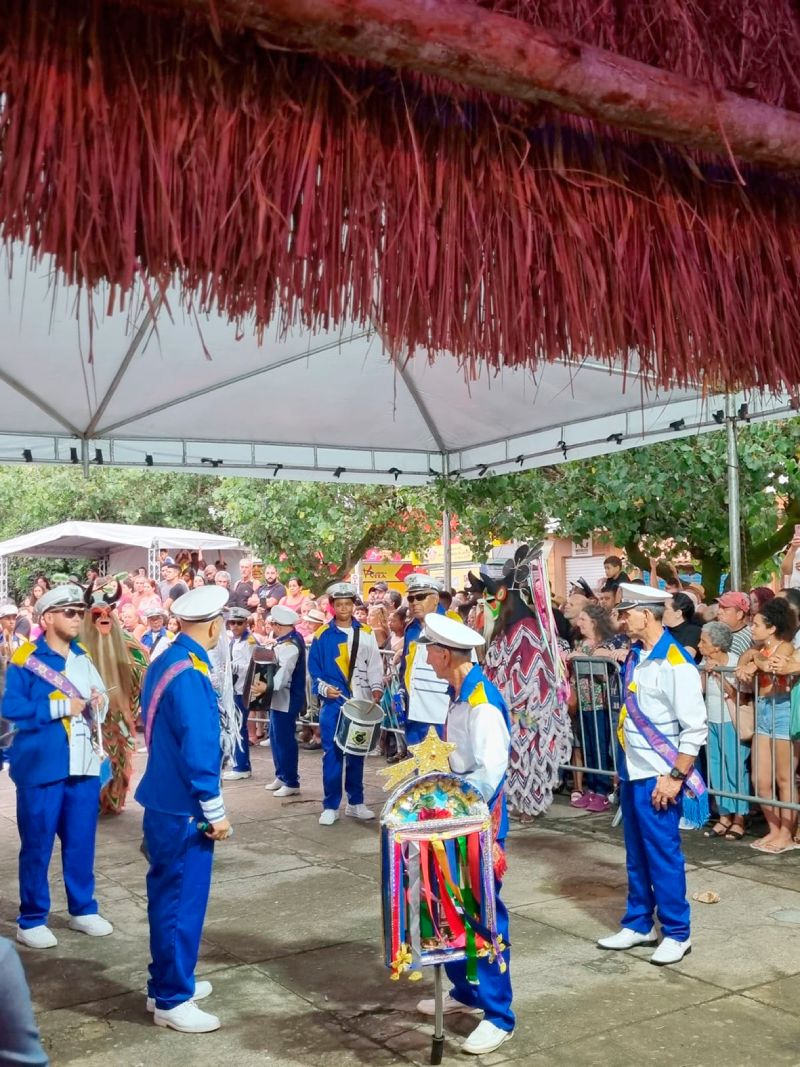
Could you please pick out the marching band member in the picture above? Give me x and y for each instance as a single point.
(157, 638)
(343, 662)
(663, 727)
(242, 644)
(288, 700)
(56, 700)
(184, 810)
(426, 696)
(478, 725)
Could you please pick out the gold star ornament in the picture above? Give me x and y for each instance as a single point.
(397, 774)
(432, 754)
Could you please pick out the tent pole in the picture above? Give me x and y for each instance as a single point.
(85, 456)
(448, 552)
(4, 577)
(734, 516)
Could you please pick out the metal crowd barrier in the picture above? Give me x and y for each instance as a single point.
(761, 770)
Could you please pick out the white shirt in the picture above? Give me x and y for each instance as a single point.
(368, 670)
(715, 690)
(428, 697)
(671, 696)
(84, 757)
(286, 653)
(481, 738)
(241, 654)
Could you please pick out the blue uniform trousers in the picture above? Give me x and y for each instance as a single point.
(334, 760)
(283, 735)
(654, 858)
(241, 757)
(418, 731)
(68, 808)
(493, 991)
(178, 885)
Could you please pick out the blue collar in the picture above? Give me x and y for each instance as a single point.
(44, 651)
(184, 641)
(470, 683)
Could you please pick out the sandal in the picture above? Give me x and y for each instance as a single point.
(715, 832)
(735, 833)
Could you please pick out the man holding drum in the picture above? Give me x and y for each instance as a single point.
(343, 662)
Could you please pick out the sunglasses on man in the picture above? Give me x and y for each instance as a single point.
(413, 598)
(70, 613)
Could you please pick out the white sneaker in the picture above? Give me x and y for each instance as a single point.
(450, 1006)
(670, 951)
(627, 938)
(187, 1018)
(328, 817)
(486, 1037)
(36, 937)
(201, 991)
(287, 791)
(236, 776)
(274, 785)
(359, 811)
(93, 925)
(264, 744)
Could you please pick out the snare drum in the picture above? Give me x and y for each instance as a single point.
(358, 727)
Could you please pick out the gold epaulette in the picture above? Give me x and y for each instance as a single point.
(22, 653)
(199, 665)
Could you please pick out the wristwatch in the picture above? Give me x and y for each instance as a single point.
(679, 776)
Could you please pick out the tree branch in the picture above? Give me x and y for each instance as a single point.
(782, 536)
(498, 54)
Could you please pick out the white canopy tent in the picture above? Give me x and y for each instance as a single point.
(166, 389)
(116, 547)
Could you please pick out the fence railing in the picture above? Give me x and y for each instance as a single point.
(748, 759)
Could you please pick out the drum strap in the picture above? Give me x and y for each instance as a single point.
(351, 669)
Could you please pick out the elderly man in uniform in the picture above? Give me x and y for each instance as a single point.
(157, 638)
(242, 645)
(478, 725)
(663, 726)
(56, 700)
(426, 696)
(343, 662)
(184, 810)
(288, 700)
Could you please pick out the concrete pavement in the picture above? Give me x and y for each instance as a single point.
(292, 946)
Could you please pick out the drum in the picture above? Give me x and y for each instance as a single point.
(358, 728)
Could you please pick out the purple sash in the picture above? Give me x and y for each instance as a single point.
(57, 680)
(655, 739)
(169, 675)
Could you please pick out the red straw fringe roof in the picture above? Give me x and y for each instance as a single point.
(304, 191)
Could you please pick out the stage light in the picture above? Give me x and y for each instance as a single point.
(617, 438)
(718, 417)
(678, 425)
(73, 456)
(520, 460)
(276, 467)
(339, 472)
(208, 462)
(483, 469)
(27, 455)
(395, 471)
(98, 457)
(744, 412)
(148, 459)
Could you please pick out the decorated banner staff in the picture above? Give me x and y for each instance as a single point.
(464, 920)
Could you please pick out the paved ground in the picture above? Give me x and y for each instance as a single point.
(292, 945)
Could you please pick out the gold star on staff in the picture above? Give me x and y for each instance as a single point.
(397, 774)
(432, 754)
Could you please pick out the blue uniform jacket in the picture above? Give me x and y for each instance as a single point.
(39, 753)
(183, 768)
(329, 661)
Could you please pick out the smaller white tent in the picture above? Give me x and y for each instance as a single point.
(116, 547)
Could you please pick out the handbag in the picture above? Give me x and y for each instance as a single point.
(794, 719)
(744, 719)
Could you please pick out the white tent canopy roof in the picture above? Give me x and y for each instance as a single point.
(167, 389)
(92, 540)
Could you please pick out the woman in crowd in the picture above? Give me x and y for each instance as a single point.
(294, 596)
(679, 620)
(143, 597)
(760, 596)
(378, 621)
(769, 668)
(727, 755)
(198, 581)
(594, 699)
(397, 628)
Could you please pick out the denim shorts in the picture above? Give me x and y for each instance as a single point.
(773, 716)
